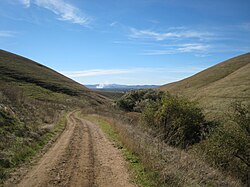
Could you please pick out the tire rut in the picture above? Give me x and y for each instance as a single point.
(86, 161)
(81, 157)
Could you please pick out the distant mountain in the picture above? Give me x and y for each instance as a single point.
(217, 87)
(119, 87)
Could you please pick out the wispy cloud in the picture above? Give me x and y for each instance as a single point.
(26, 3)
(175, 40)
(96, 72)
(198, 47)
(99, 72)
(180, 34)
(7, 34)
(181, 48)
(65, 11)
(114, 23)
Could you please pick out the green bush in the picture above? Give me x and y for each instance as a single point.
(136, 100)
(178, 121)
(228, 147)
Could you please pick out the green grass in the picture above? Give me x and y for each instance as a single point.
(40, 93)
(19, 151)
(141, 175)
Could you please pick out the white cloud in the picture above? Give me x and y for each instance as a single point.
(193, 47)
(181, 48)
(65, 11)
(148, 34)
(98, 72)
(7, 34)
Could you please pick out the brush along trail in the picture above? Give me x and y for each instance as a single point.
(81, 157)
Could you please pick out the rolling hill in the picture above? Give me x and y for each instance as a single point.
(32, 76)
(218, 86)
(34, 102)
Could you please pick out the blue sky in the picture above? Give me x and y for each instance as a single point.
(126, 42)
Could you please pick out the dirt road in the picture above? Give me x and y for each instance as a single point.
(81, 157)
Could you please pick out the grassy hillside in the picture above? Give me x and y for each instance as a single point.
(17, 69)
(33, 102)
(218, 86)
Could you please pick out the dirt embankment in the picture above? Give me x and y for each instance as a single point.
(82, 156)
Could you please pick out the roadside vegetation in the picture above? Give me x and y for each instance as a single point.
(176, 120)
(180, 125)
(140, 175)
(26, 126)
(228, 146)
(30, 117)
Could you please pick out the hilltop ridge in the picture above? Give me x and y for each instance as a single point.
(218, 86)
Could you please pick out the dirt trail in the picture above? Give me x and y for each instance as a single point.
(81, 157)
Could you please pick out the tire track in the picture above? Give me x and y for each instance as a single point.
(85, 164)
(81, 157)
(109, 167)
(38, 176)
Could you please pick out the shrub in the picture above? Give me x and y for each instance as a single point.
(228, 147)
(136, 100)
(179, 121)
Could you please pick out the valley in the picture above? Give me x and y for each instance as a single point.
(56, 132)
(145, 93)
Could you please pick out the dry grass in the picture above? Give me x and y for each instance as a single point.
(216, 87)
(20, 70)
(175, 167)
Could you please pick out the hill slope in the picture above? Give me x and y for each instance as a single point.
(33, 103)
(23, 69)
(17, 69)
(217, 87)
